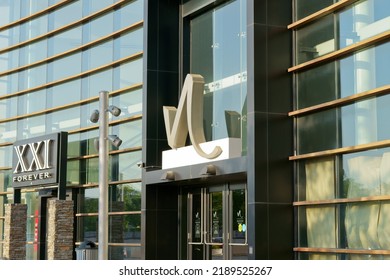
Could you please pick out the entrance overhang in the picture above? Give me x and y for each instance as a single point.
(230, 169)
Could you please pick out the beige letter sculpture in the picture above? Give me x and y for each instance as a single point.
(188, 118)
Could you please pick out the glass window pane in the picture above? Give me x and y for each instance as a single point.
(366, 173)
(65, 120)
(65, 93)
(366, 226)
(91, 6)
(10, 11)
(130, 102)
(9, 60)
(8, 132)
(88, 200)
(318, 227)
(32, 102)
(82, 143)
(360, 123)
(64, 67)
(9, 37)
(31, 127)
(5, 185)
(130, 133)
(67, 14)
(315, 40)
(97, 56)
(129, 14)
(30, 7)
(87, 229)
(65, 41)
(8, 107)
(125, 229)
(355, 23)
(317, 132)
(125, 197)
(128, 74)
(128, 44)
(5, 157)
(92, 171)
(10, 83)
(239, 223)
(215, 35)
(33, 52)
(363, 20)
(215, 225)
(124, 166)
(316, 180)
(32, 77)
(97, 82)
(363, 71)
(73, 172)
(33, 28)
(98, 28)
(306, 7)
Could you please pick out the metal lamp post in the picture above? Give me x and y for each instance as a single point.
(102, 116)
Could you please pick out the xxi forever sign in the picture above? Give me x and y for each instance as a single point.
(36, 161)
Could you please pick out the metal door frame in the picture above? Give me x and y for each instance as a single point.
(206, 220)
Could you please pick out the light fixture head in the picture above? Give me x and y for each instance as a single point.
(114, 110)
(94, 116)
(115, 140)
(169, 176)
(209, 170)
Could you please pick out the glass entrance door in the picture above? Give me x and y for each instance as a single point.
(216, 223)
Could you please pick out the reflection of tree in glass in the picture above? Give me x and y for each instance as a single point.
(129, 194)
(132, 199)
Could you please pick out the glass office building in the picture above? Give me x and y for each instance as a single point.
(296, 89)
(55, 58)
(341, 53)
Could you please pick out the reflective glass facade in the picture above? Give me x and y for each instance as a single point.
(341, 130)
(55, 58)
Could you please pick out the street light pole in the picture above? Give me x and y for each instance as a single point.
(102, 116)
(103, 177)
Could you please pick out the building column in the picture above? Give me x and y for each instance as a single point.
(60, 229)
(15, 227)
(270, 180)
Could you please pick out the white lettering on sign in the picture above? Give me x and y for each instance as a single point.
(39, 159)
(188, 118)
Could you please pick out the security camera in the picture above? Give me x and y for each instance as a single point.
(114, 110)
(115, 140)
(94, 116)
(140, 164)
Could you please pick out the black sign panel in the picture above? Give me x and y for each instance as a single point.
(36, 161)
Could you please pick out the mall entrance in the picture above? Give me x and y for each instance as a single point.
(214, 223)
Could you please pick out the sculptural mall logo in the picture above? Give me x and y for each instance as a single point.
(188, 118)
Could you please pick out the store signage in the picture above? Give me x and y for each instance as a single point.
(35, 161)
(188, 118)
